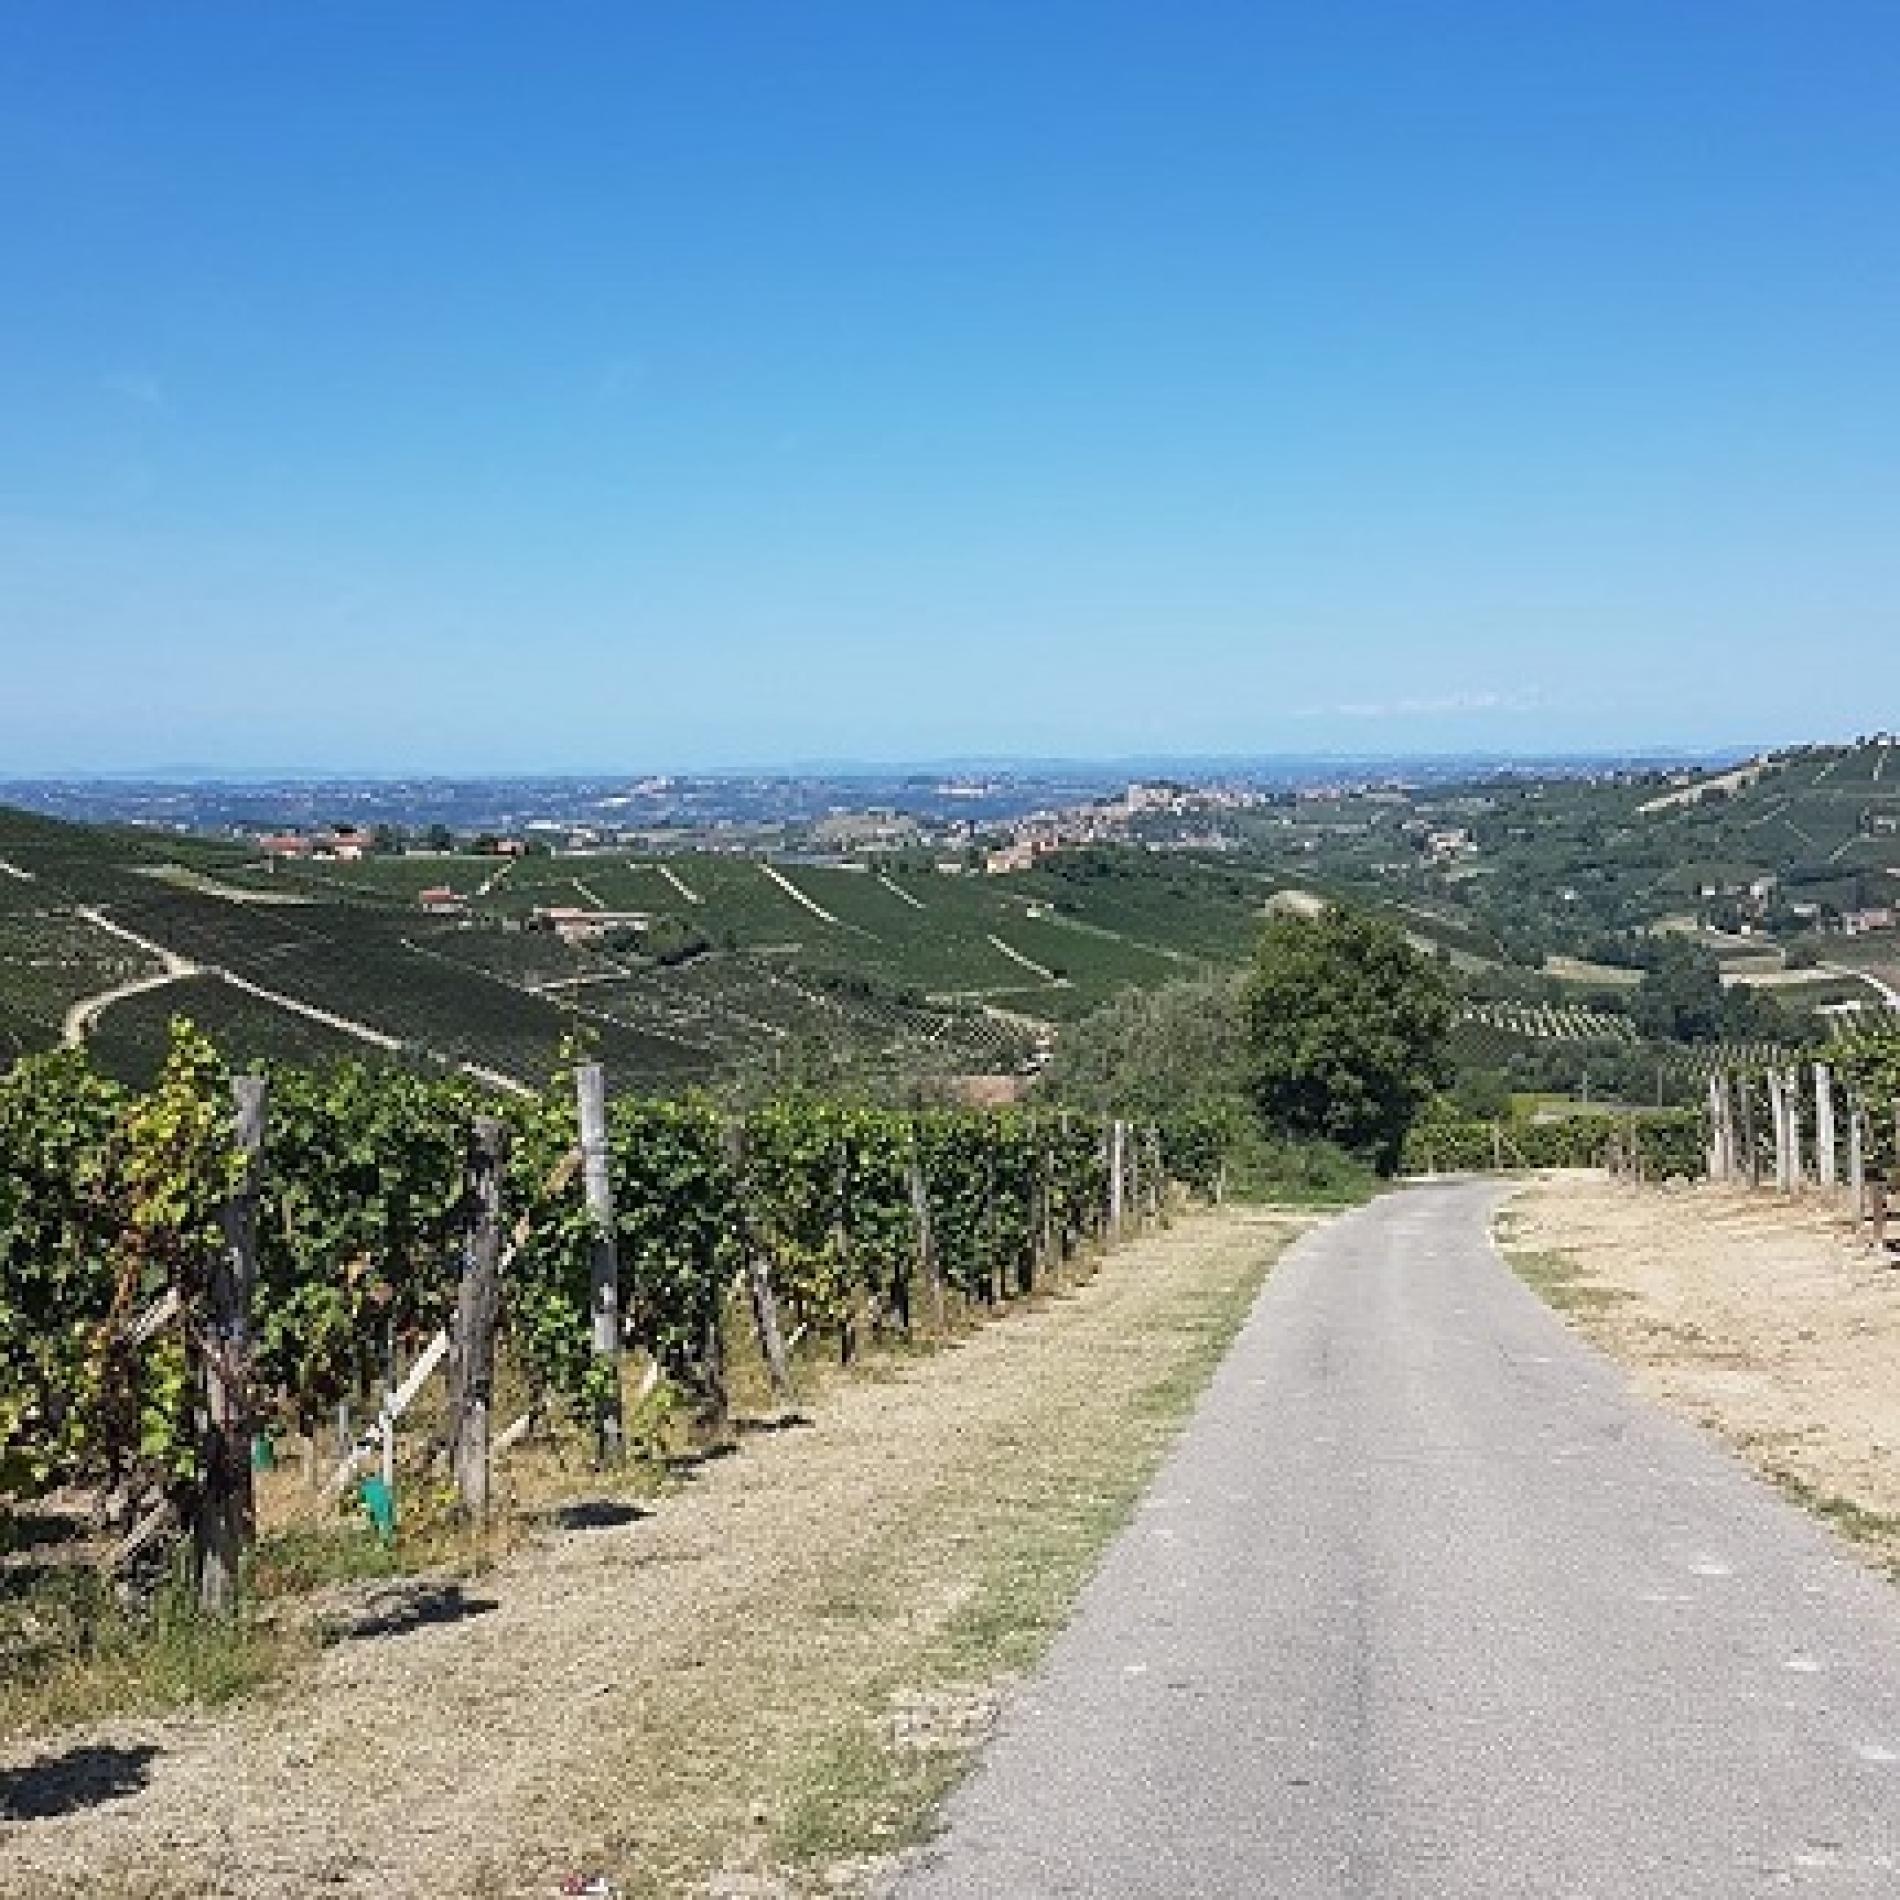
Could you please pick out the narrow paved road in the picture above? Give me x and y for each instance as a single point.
(1427, 1607)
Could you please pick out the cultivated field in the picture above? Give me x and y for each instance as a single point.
(951, 971)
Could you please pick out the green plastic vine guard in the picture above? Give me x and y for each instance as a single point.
(380, 1502)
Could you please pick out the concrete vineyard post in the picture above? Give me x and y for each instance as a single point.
(226, 1506)
(1751, 1152)
(1115, 1165)
(1132, 1178)
(477, 1311)
(1778, 1116)
(1826, 1155)
(590, 1084)
(1722, 1120)
(1791, 1110)
(1857, 1160)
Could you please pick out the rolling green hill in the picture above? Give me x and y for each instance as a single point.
(706, 965)
(764, 964)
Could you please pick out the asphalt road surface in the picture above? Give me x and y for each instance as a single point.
(1426, 1604)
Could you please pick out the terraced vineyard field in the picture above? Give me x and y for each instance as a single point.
(130, 1039)
(950, 971)
(1555, 1022)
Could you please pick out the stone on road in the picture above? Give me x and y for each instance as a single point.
(1427, 1604)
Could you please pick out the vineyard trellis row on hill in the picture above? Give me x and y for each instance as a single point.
(1829, 1122)
(162, 1290)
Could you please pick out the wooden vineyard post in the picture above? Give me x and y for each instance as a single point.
(1827, 1162)
(996, 1288)
(1048, 1252)
(477, 1312)
(841, 1246)
(713, 1407)
(226, 1506)
(758, 1273)
(1029, 1262)
(927, 1261)
(590, 1085)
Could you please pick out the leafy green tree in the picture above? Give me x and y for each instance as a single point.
(1680, 999)
(1346, 1027)
(1178, 1047)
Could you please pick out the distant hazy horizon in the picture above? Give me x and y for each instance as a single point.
(1104, 764)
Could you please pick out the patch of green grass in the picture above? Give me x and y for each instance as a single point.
(293, 1561)
(1875, 1532)
(71, 1652)
(1557, 1279)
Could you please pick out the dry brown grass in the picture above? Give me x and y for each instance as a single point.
(757, 1684)
(1758, 1317)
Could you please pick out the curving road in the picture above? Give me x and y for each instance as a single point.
(1427, 1607)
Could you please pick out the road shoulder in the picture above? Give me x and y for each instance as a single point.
(760, 1687)
(1758, 1318)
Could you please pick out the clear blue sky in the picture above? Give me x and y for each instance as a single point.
(537, 385)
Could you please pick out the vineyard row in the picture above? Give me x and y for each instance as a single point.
(183, 1268)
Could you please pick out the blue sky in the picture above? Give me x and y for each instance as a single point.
(457, 386)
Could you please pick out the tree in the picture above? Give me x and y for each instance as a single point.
(1175, 1048)
(1346, 1026)
(1680, 999)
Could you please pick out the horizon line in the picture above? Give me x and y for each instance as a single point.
(1019, 763)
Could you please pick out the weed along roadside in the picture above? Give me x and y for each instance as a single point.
(760, 1683)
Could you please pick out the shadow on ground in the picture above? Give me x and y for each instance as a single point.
(75, 1778)
(596, 1514)
(398, 1609)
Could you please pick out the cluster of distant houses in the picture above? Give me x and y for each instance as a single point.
(1758, 897)
(346, 844)
(349, 843)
